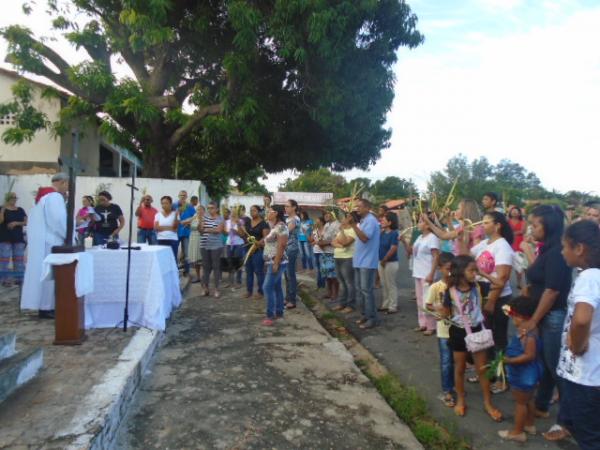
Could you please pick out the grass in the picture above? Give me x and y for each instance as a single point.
(408, 404)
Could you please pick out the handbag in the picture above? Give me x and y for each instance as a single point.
(478, 341)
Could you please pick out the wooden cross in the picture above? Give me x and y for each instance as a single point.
(74, 166)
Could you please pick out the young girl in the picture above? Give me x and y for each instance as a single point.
(524, 369)
(579, 362)
(85, 216)
(388, 262)
(462, 301)
(425, 253)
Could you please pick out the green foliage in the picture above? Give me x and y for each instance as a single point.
(28, 120)
(286, 84)
(391, 188)
(320, 180)
(511, 181)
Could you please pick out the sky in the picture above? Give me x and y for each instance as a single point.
(515, 79)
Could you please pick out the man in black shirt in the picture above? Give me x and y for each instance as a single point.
(111, 219)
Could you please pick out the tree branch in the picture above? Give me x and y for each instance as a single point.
(165, 101)
(195, 120)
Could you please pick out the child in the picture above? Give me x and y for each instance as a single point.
(435, 302)
(524, 369)
(579, 362)
(462, 301)
(425, 253)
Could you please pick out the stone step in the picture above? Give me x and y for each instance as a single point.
(18, 369)
(7, 345)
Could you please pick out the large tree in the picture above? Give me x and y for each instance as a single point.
(391, 188)
(320, 180)
(275, 84)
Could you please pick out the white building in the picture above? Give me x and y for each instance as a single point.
(98, 156)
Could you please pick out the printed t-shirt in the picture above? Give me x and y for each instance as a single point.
(584, 369)
(470, 302)
(435, 297)
(168, 221)
(422, 256)
(489, 256)
(146, 218)
(346, 252)
(109, 218)
(271, 239)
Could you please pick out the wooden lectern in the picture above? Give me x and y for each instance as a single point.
(69, 318)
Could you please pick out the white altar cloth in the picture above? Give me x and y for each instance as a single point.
(84, 271)
(153, 287)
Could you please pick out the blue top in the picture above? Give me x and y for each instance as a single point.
(306, 227)
(524, 376)
(388, 239)
(366, 254)
(187, 213)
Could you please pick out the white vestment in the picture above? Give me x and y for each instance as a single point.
(46, 227)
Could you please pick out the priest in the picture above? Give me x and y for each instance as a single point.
(47, 227)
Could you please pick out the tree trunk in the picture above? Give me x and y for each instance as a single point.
(159, 164)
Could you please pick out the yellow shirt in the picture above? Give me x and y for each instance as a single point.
(435, 297)
(346, 252)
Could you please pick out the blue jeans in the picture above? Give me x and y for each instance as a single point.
(307, 255)
(446, 365)
(146, 236)
(184, 242)
(320, 279)
(255, 265)
(345, 275)
(291, 285)
(366, 288)
(170, 243)
(579, 413)
(236, 251)
(550, 329)
(274, 291)
(101, 239)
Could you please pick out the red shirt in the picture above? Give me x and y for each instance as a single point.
(518, 226)
(146, 218)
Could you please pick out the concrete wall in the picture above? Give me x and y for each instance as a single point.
(26, 187)
(43, 147)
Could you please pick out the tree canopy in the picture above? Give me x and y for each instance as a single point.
(229, 85)
(509, 180)
(323, 180)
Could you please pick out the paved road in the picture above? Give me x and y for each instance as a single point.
(414, 359)
(222, 381)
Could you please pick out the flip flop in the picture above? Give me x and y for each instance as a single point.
(460, 410)
(495, 414)
(556, 433)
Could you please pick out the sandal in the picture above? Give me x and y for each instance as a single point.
(499, 388)
(290, 306)
(449, 401)
(391, 311)
(531, 430)
(420, 329)
(556, 433)
(361, 321)
(473, 379)
(460, 410)
(428, 333)
(495, 414)
(505, 434)
(267, 322)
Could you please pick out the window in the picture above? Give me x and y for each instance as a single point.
(8, 119)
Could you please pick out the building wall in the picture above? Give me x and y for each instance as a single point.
(89, 150)
(43, 147)
(26, 187)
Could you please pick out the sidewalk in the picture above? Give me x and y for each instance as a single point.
(223, 381)
(78, 395)
(414, 359)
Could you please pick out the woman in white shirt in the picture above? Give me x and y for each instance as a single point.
(494, 257)
(165, 225)
(425, 253)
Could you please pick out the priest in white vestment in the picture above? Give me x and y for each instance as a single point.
(47, 227)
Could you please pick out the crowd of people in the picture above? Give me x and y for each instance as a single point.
(462, 263)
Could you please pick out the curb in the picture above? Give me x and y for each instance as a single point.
(97, 419)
